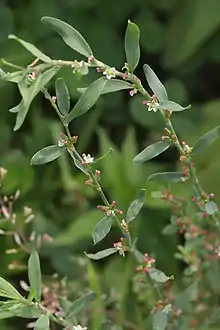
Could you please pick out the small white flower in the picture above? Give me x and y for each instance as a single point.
(187, 149)
(61, 143)
(79, 327)
(110, 73)
(153, 106)
(167, 309)
(87, 159)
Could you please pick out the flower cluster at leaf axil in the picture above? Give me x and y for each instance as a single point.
(121, 246)
(146, 265)
(110, 210)
(153, 104)
(64, 141)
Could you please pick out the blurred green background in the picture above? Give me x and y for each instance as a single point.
(180, 40)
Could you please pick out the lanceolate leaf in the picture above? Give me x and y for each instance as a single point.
(8, 291)
(43, 323)
(70, 35)
(155, 84)
(170, 105)
(151, 151)
(132, 47)
(34, 275)
(101, 254)
(158, 276)
(80, 304)
(46, 155)
(63, 98)
(102, 229)
(167, 177)
(30, 94)
(112, 85)
(136, 206)
(88, 99)
(160, 320)
(206, 140)
(32, 49)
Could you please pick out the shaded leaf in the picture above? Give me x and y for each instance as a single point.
(206, 140)
(102, 229)
(101, 254)
(155, 84)
(63, 98)
(151, 151)
(160, 320)
(7, 290)
(43, 323)
(88, 99)
(167, 177)
(132, 47)
(136, 206)
(106, 325)
(173, 106)
(211, 207)
(32, 49)
(34, 275)
(170, 229)
(64, 304)
(215, 316)
(80, 304)
(112, 85)
(20, 310)
(158, 276)
(46, 155)
(70, 35)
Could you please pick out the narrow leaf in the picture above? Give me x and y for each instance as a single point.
(173, 106)
(160, 320)
(101, 254)
(80, 304)
(132, 47)
(43, 323)
(70, 35)
(136, 206)
(8, 291)
(34, 274)
(32, 49)
(88, 99)
(101, 229)
(151, 151)
(63, 98)
(46, 155)
(167, 177)
(211, 207)
(155, 84)
(170, 229)
(206, 140)
(112, 85)
(158, 276)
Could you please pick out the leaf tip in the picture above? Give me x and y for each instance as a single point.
(12, 36)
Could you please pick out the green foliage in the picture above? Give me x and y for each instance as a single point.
(63, 98)
(152, 151)
(101, 254)
(155, 84)
(46, 155)
(101, 229)
(43, 323)
(34, 275)
(136, 206)
(167, 177)
(7, 290)
(132, 48)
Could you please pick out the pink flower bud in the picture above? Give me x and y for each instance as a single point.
(91, 59)
(211, 196)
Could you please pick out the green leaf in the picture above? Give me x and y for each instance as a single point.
(211, 207)
(80, 304)
(70, 35)
(151, 151)
(34, 274)
(5, 314)
(215, 316)
(112, 85)
(101, 254)
(160, 320)
(88, 99)
(206, 140)
(167, 177)
(63, 98)
(43, 323)
(20, 310)
(155, 84)
(136, 206)
(158, 276)
(106, 325)
(173, 106)
(64, 304)
(32, 49)
(102, 229)
(30, 94)
(170, 229)
(132, 47)
(8, 291)
(46, 155)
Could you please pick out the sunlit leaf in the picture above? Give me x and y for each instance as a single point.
(158, 276)
(80, 304)
(167, 177)
(43, 323)
(32, 49)
(132, 47)
(155, 84)
(63, 98)
(160, 320)
(136, 206)
(151, 151)
(112, 85)
(101, 254)
(206, 140)
(8, 291)
(102, 229)
(70, 35)
(34, 274)
(46, 155)
(173, 106)
(88, 99)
